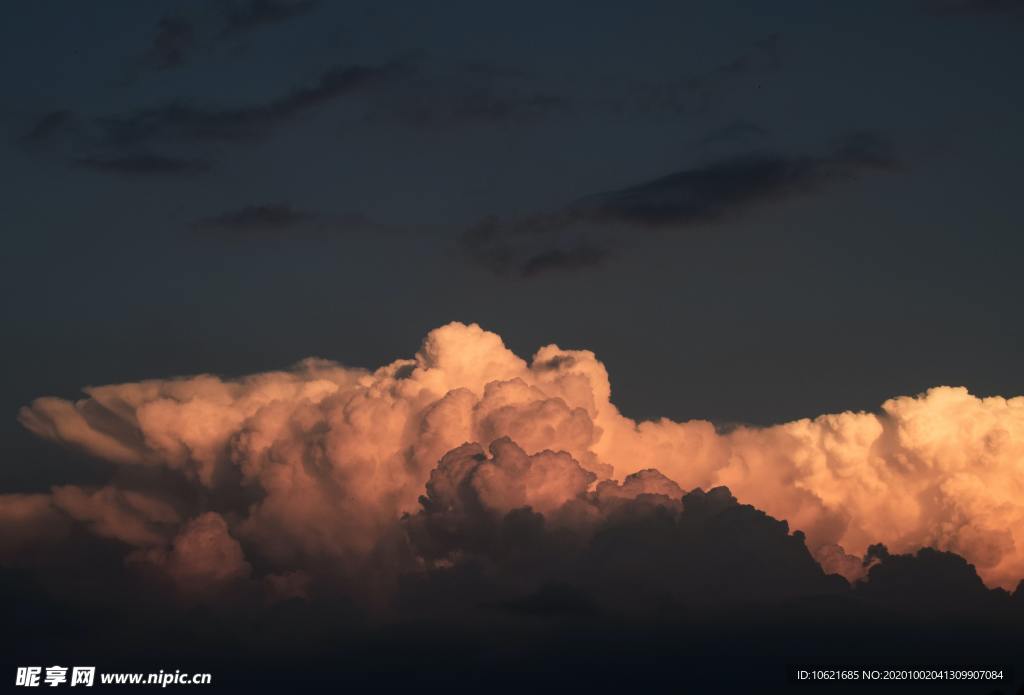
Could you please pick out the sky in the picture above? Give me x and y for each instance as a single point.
(885, 281)
(751, 213)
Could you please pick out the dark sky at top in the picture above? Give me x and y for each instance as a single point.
(750, 211)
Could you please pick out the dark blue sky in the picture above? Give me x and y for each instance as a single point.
(750, 211)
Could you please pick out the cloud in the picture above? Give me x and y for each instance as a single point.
(498, 95)
(202, 557)
(725, 187)
(400, 91)
(342, 475)
(252, 14)
(921, 583)
(639, 548)
(175, 38)
(124, 515)
(145, 165)
(466, 511)
(763, 55)
(281, 221)
(696, 93)
(49, 125)
(469, 495)
(577, 255)
(738, 132)
(258, 219)
(183, 121)
(587, 231)
(466, 98)
(29, 521)
(126, 140)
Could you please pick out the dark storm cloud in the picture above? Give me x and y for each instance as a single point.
(924, 581)
(175, 38)
(243, 16)
(548, 582)
(589, 229)
(641, 547)
(184, 121)
(654, 551)
(145, 165)
(699, 561)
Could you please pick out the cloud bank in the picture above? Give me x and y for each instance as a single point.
(466, 458)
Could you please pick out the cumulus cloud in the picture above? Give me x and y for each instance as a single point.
(110, 512)
(324, 475)
(29, 521)
(636, 548)
(203, 556)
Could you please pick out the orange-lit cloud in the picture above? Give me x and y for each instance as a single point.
(297, 470)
